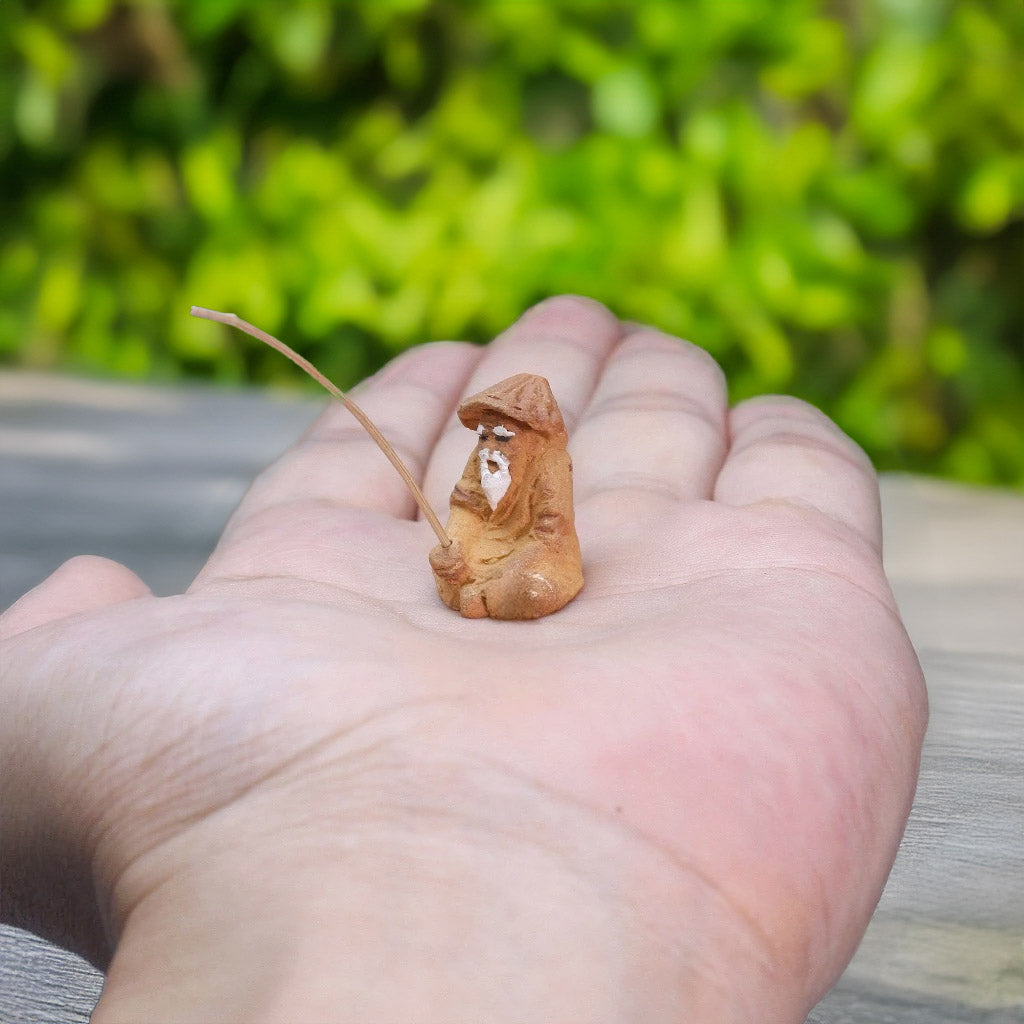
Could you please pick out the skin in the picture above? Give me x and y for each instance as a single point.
(307, 791)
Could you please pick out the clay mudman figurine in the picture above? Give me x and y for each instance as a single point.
(514, 552)
(510, 550)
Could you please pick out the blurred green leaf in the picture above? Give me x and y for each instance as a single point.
(44, 51)
(82, 15)
(626, 102)
(993, 192)
(58, 294)
(35, 110)
(898, 76)
(208, 170)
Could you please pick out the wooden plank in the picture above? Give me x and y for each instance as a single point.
(41, 984)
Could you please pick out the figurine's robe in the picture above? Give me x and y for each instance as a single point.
(523, 556)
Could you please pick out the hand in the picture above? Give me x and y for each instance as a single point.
(307, 790)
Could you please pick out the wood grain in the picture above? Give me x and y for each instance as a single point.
(149, 475)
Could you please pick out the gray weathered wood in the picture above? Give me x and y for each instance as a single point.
(148, 476)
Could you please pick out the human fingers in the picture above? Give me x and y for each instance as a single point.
(655, 426)
(82, 584)
(336, 462)
(565, 339)
(783, 449)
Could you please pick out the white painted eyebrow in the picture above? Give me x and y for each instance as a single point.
(503, 432)
(481, 430)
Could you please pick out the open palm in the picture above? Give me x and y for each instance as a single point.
(719, 735)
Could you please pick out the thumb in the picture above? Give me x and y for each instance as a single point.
(82, 584)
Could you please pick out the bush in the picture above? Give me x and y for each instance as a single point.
(828, 197)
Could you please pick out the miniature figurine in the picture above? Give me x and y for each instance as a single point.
(514, 551)
(510, 551)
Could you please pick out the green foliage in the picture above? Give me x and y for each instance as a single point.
(828, 196)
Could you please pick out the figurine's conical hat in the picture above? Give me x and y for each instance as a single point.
(524, 398)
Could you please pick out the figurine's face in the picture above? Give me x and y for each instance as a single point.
(500, 449)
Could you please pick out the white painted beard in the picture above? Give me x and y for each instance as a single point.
(495, 484)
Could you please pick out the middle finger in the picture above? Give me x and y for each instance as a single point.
(655, 427)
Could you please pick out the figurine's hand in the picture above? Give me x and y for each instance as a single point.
(449, 563)
(306, 790)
